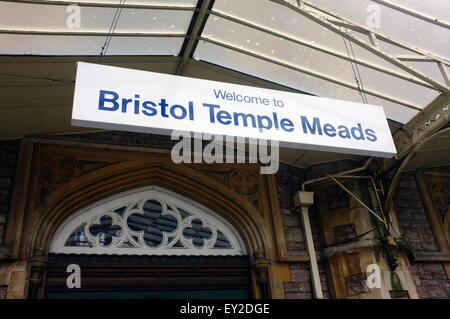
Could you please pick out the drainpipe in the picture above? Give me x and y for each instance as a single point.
(304, 200)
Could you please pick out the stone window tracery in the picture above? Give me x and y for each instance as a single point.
(151, 221)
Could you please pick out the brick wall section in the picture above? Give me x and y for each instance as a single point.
(289, 180)
(8, 157)
(411, 215)
(430, 278)
(300, 286)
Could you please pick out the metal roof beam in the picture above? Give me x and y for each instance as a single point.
(425, 56)
(432, 119)
(107, 4)
(413, 13)
(444, 73)
(198, 24)
(320, 48)
(93, 33)
(415, 58)
(329, 25)
(341, 21)
(326, 77)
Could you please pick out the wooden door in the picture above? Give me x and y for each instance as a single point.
(150, 277)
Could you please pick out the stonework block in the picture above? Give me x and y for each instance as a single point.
(300, 275)
(291, 287)
(356, 284)
(298, 295)
(345, 232)
(431, 280)
(411, 215)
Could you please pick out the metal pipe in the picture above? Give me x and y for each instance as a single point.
(358, 200)
(351, 171)
(315, 275)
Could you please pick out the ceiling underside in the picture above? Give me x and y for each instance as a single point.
(391, 53)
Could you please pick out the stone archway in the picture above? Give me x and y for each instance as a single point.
(65, 178)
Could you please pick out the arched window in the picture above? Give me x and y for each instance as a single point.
(147, 221)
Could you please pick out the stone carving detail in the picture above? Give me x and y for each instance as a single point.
(105, 231)
(244, 182)
(439, 187)
(57, 170)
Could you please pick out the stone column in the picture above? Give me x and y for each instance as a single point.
(38, 267)
(261, 268)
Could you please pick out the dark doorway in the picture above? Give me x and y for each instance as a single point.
(143, 277)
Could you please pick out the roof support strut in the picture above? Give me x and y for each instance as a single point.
(329, 20)
(197, 27)
(320, 48)
(113, 4)
(413, 13)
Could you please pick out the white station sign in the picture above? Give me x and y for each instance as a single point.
(131, 100)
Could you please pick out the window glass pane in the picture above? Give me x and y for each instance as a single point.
(53, 18)
(77, 238)
(295, 79)
(399, 25)
(277, 48)
(82, 45)
(278, 17)
(400, 89)
(438, 9)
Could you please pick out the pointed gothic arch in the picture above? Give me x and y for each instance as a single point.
(149, 220)
(92, 174)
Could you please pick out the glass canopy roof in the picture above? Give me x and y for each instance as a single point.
(393, 53)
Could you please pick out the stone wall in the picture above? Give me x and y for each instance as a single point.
(430, 278)
(411, 215)
(289, 180)
(8, 157)
(300, 286)
(125, 138)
